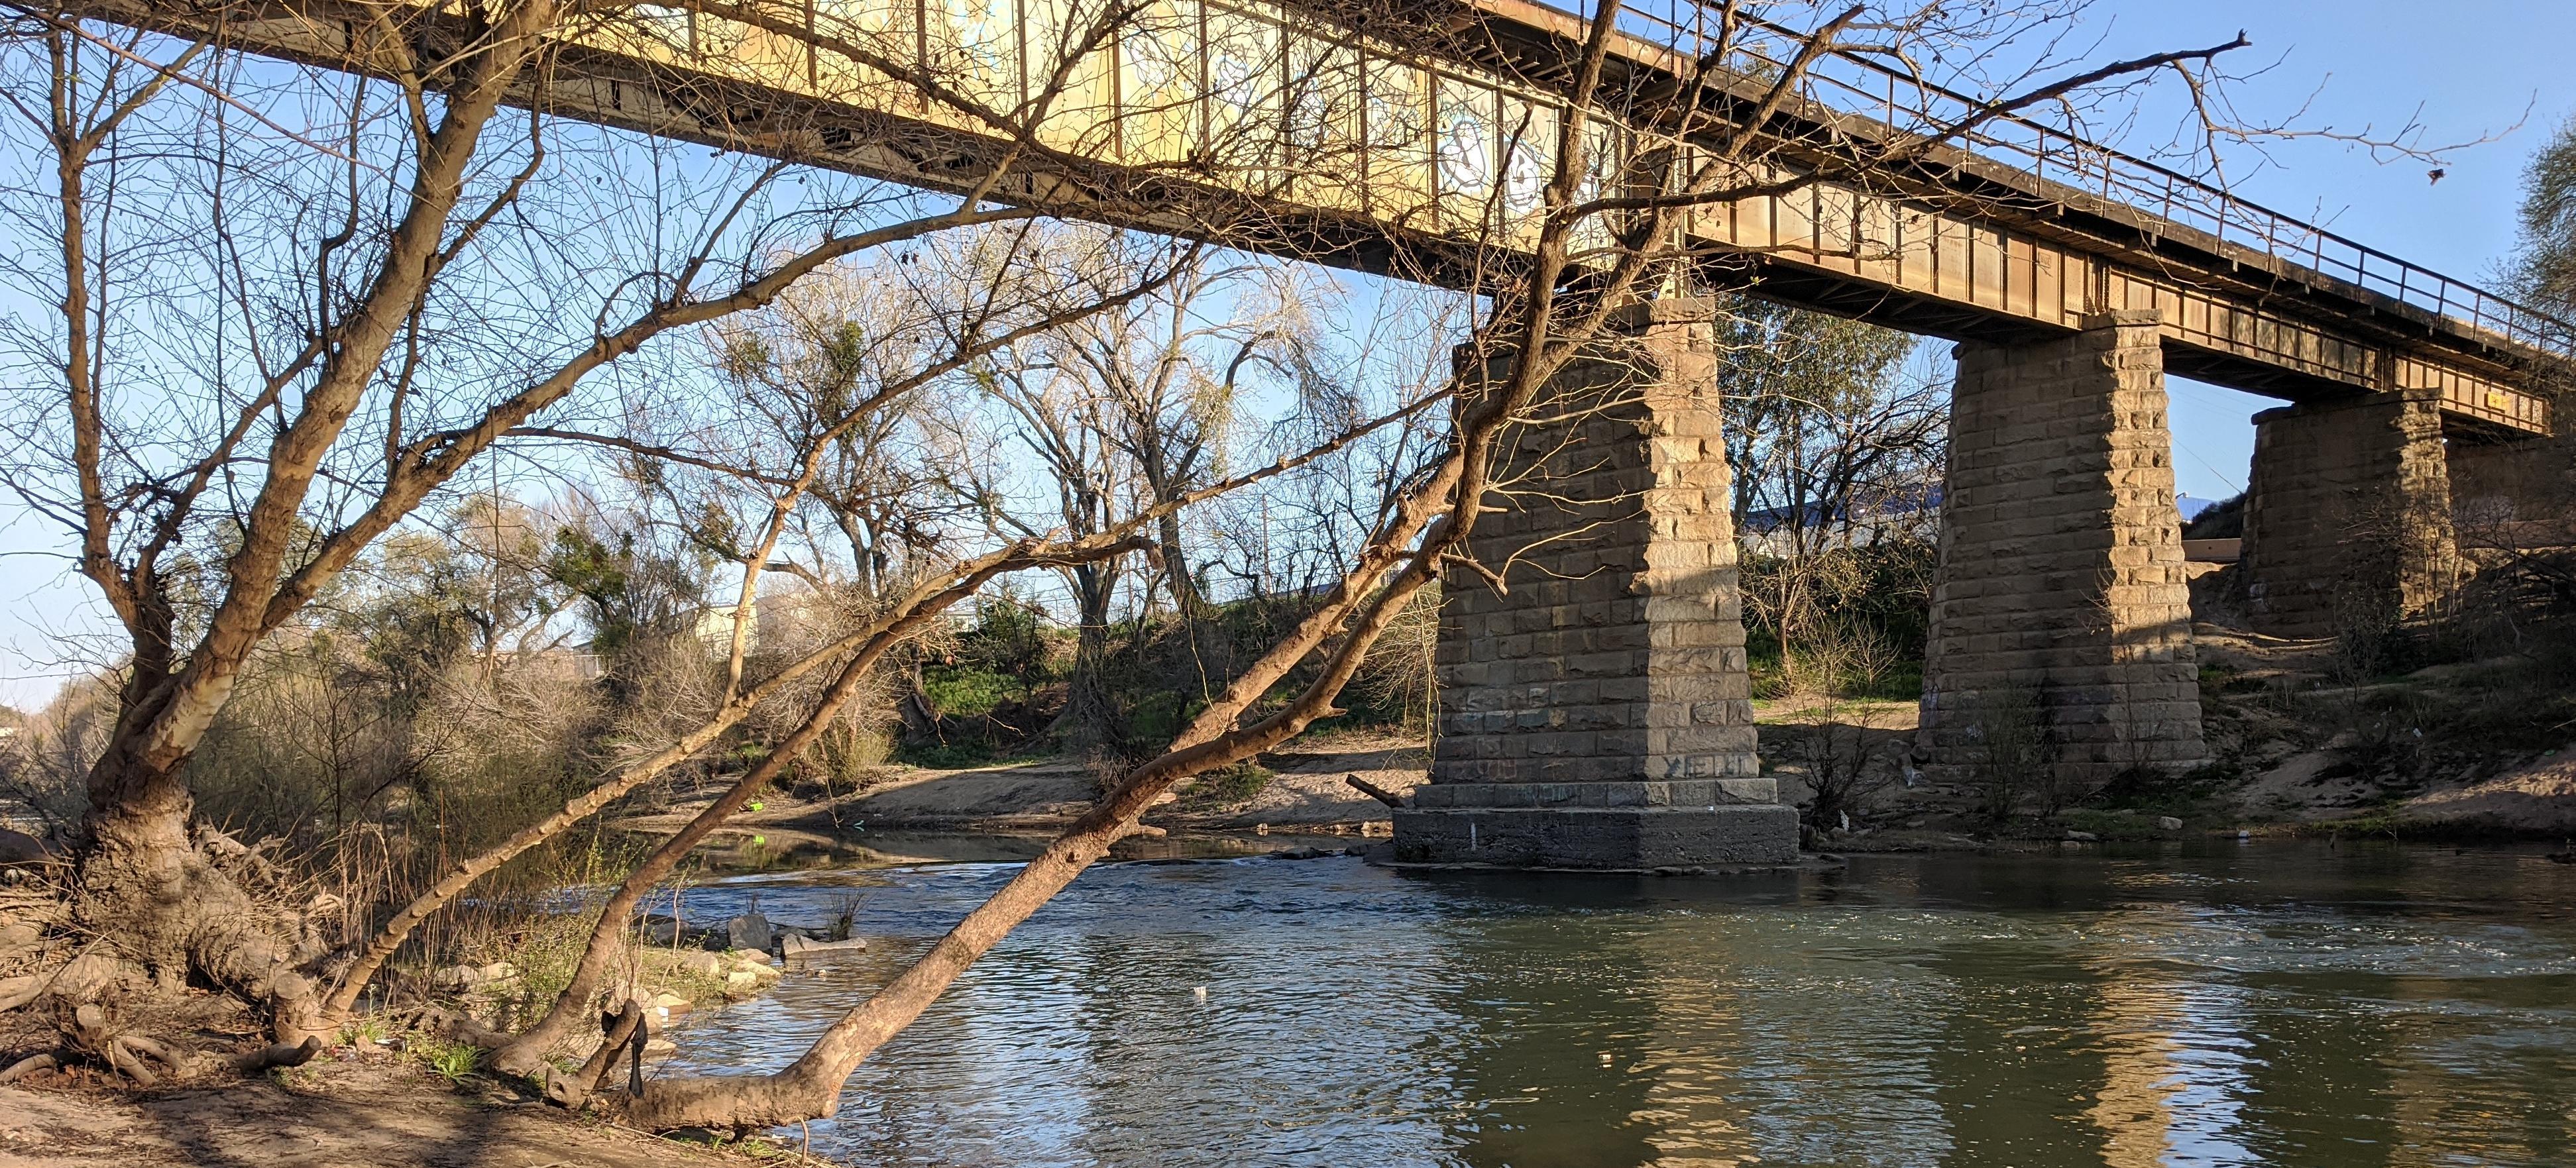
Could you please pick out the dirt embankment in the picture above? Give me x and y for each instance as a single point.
(1303, 791)
(2538, 799)
(375, 1112)
(2466, 747)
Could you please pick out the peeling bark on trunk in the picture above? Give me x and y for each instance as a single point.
(157, 897)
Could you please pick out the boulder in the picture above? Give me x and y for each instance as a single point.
(2082, 837)
(2168, 823)
(666, 931)
(668, 1005)
(17, 847)
(796, 946)
(750, 932)
(703, 963)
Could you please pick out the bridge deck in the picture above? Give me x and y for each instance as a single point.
(1359, 149)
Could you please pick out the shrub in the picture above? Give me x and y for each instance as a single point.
(455, 1060)
(969, 691)
(1231, 785)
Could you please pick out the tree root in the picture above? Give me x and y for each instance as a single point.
(19, 991)
(278, 1054)
(626, 1034)
(126, 1052)
(28, 1066)
(131, 1055)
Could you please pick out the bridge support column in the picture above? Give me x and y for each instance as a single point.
(1595, 711)
(2348, 514)
(2060, 652)
(2513, 494)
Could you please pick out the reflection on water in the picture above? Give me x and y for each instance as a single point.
(2291, 1005)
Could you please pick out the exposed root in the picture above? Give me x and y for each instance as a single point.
(28, 1066)
(89, 1032)
(114, 951)
(19, 991)
(279, 1054)
(176, 903)
(128, 1052)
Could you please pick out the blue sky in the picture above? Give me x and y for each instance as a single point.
(2471, 67)
(2462, 68)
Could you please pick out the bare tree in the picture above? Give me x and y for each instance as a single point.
(1830, 448)
(274, 342)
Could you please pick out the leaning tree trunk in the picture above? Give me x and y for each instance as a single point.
(526, 1054)
(811, 1086)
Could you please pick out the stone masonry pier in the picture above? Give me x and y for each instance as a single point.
(2348, 514)
(2513, 494)
(2060, 649)
(1596, 711)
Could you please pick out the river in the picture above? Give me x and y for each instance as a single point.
(2201, 1004)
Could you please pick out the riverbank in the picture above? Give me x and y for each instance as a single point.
(378, 1110)
(2460, 750)
(1304, 791)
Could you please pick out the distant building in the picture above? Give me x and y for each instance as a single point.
(1912, 512)
(716, 623)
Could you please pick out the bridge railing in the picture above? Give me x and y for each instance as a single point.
(1851, 83)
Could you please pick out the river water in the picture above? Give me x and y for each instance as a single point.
(2279, 1004)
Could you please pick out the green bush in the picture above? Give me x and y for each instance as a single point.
(968, 691)
(1230, 785)
(455, 1060)
(1881, 592)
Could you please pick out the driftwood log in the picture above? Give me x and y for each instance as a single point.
(1373, 791)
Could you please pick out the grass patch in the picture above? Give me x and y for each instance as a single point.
(1230, 785)
(2151, 793)
(2114, 825)
(965, 691)
(451, 1060)
(543, 947)
(2383, 822)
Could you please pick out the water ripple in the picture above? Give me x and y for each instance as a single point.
(2269, 1005)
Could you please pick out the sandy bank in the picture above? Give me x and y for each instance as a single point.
(2538, 799)
(378, 1112)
